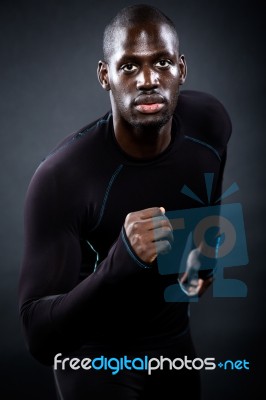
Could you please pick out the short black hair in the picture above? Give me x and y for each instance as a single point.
(133, 15)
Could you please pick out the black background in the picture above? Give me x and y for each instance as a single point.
(48, 56)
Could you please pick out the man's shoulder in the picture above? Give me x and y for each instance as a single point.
(77, 151)
(205, 118)
(74, 159)
(88, 132)
(201, 101)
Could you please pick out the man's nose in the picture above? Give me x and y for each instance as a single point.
(147, 79)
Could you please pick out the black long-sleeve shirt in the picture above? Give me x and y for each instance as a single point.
(75, 208)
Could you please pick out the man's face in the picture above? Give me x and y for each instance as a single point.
(144, 73)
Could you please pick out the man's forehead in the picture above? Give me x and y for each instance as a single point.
(149, 38)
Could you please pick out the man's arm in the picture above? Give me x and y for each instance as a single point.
(195, 261)
(58, 313)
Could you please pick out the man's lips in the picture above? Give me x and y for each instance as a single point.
(149, 104)
(149, 108)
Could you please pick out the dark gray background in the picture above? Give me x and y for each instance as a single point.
(49, 52)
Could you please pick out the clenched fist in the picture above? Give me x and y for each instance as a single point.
(149, 232)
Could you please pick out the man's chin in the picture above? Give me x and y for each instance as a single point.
(151, 122)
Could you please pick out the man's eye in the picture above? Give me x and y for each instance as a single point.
(163, 64)
(129, 67)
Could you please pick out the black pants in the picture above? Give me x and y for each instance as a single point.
(166, 384)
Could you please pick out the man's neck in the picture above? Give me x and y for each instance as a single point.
(139, 142)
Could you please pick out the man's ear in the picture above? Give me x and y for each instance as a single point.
(102, 73)
(182, 69)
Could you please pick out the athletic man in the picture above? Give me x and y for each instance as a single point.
(103, 191)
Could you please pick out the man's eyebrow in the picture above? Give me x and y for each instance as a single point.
(154, 55)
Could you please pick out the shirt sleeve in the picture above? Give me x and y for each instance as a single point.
(58, 312)
(205, 273)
